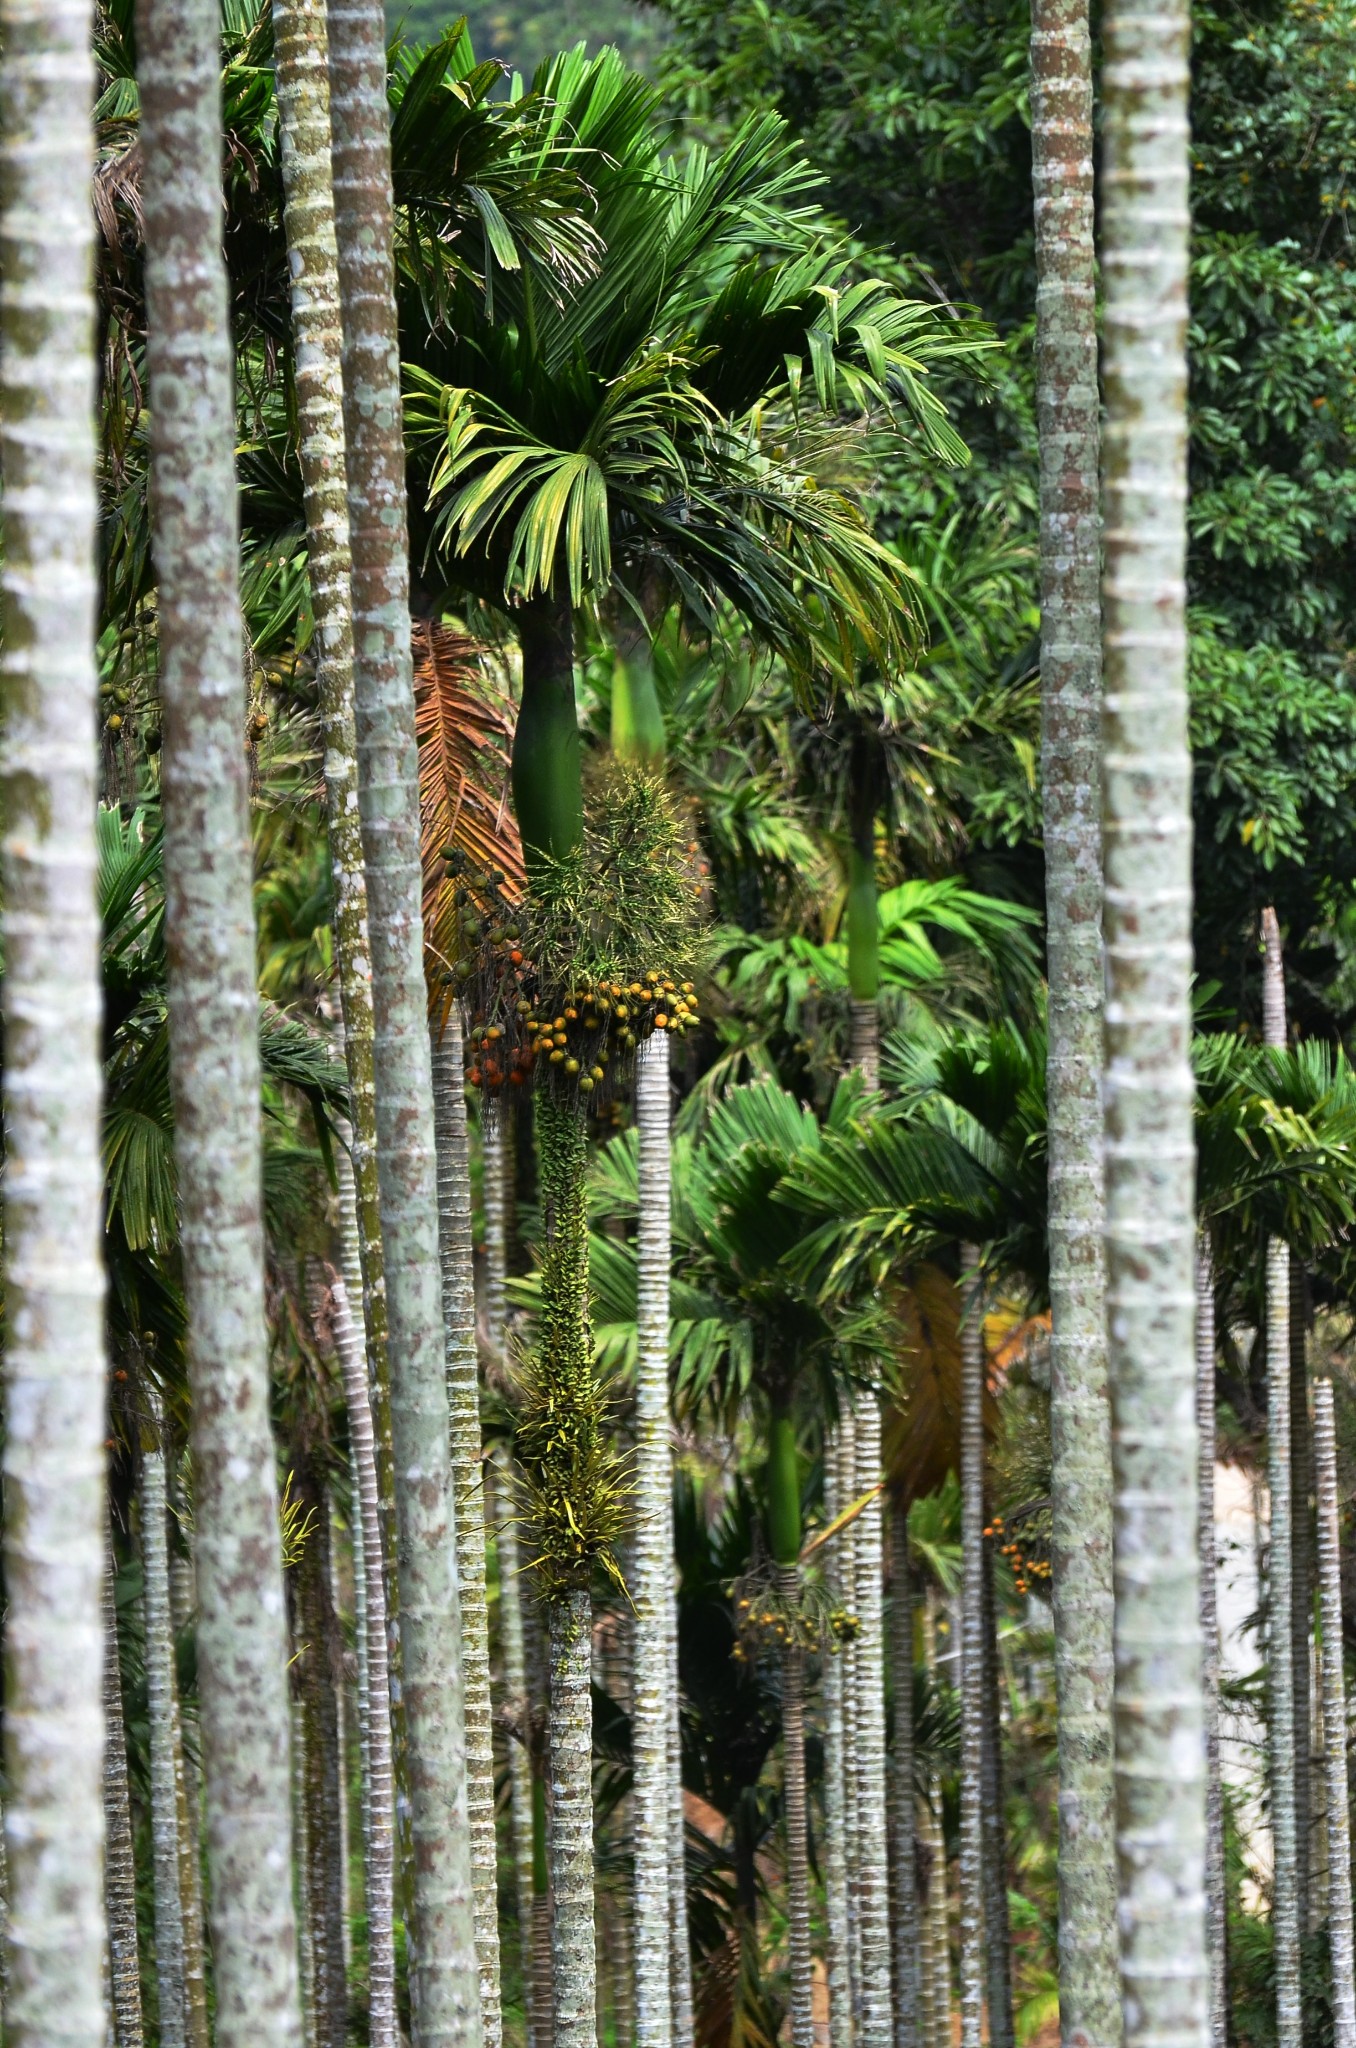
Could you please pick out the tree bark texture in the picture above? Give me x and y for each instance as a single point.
(468, 1479)
(446, 1997)
(680, 1947)
(1307, 1905)
(214, 1058)
(904, 1916)
(873, 1836)
(1283, 1734)
(835, 1811)
(574, 1963)
(160, 1687)
(518, 1706)
(1216, 1916)
(322, 1771)
(1148, 1082)
(652, 1556)
(120, 1876)
(301, 53)
(972, 1654)
(998, 1932)
(1071, 708)
(847, 1544)
(797, 1824)
(188, 1792)
(54, 1395)
(373, 1696)
(1340, 1938)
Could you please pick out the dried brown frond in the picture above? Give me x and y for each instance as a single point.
(922, 1430)
(465, 733)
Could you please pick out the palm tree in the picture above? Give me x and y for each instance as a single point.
(55, 1518)
(120, 1876)
(1334, 1723)
(972, 1652)
(1283, 1737)
(1150, 1236)
(214, 1055)
(1071, 700)
(446, 2002)
(1216, 1898)
(160, 1687)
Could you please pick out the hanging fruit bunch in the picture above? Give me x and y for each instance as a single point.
(768, 1617)
(563, 983)
(1023, 1542)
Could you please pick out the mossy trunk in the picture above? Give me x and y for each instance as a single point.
(55, 1367)
(213, 1038)
(1147, 1080)
(463, 1402)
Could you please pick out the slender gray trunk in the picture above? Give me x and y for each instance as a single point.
(120, 1875)
(373, 1696)
(972, 1652)
(873, 1835)
(55, 1528)
(998, 1933)
(160, 1686)
(446, 1996)
(680, 1948)
(864, 1038)
(847, 1545)
(1283, 1735)
(574, 1962)
(937, 1930)
(903, 1859)
(1343, 1948)
(835, 1804)
(214, 1057)
(321, 1770)
(494, 1194)
(1071, 711)
(1216, 1915)
(1148, 1082)
(188, 1792)
(468, 1479)
(652, 1568)
(1307, 1907)
(301, 51)
(797, 1824)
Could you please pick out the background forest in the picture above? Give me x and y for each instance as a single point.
(664, 1486)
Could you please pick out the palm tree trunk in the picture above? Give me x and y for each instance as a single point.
(214, 1059)
(446, 1989)
(797, 1824)
(468, 1479)
(903, 1859)
(1151, 1224)
(165, 1847)
(574, 1962)
(55, 1526)
(652, 1568)
(972, 1654)
(188, 1794)
(680, 1947)
(873, 1836)
(847, 1544)
(1283, 1735)
(863, 916)
(1301, 1595)
(543, 1922)
(1342, 1946)
(835, 1796)
(120, 1876)
(1071, 710)
(374, 1695)
(547, 796)
(1216, 1915)
(301, 49)
(321, 1774)
(998, 1943)
(936, 1937)
(519, 1709)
